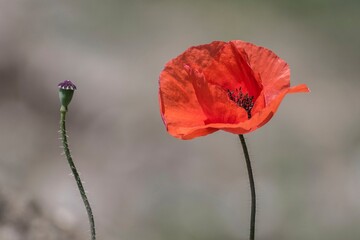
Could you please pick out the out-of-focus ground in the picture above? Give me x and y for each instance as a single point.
(144, 184)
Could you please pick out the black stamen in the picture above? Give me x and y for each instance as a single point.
(244, 101)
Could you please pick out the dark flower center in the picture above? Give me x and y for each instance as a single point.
(242, 100)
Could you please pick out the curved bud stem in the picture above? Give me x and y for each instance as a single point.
(63, 111)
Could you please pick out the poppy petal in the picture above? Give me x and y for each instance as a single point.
(274, 72)
(231, 70)
(178, 103)
(264, 115)
(299, 89)
(214, 101)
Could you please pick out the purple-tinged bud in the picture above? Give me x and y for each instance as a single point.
(66, 91)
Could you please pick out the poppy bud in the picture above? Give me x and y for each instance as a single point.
(66, 91)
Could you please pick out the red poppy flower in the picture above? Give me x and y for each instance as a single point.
(233, 86)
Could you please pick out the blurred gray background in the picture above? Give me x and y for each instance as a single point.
(141, 182)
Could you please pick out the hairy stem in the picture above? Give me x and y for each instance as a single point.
(75, 173)
(252, 187)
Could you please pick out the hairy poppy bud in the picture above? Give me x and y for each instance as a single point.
(66, 91)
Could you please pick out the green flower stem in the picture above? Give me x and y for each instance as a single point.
(63, 111)
(252, 187)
